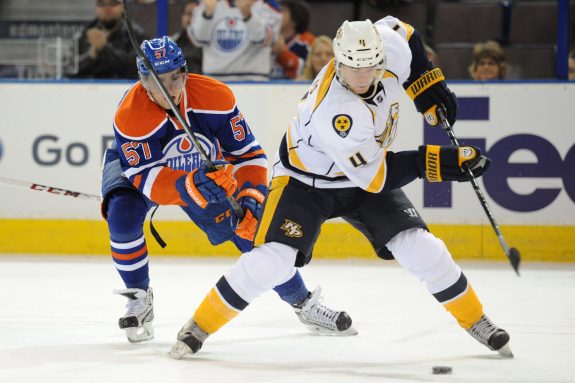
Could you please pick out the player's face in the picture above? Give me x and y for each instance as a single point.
(358, 80)
(173, 82)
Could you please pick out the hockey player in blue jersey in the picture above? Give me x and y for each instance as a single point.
(153, 162)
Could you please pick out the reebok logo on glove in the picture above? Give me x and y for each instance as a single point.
(193, 193)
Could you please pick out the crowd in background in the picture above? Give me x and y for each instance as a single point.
(243, 40)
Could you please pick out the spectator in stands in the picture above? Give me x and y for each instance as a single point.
(104, 45)
(489, 62)
(293, 44)
(320, 54)
(236, 38)
(571, 74)
(192, 52)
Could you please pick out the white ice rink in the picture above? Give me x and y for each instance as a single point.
(58, 324)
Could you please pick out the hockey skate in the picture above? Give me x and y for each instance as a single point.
(321, 319)
(190, 339)
(137, 322)
(493, 337)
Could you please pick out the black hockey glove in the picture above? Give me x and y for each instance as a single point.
(429, 92)
(448, 163)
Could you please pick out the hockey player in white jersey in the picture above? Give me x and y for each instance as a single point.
(334, 162)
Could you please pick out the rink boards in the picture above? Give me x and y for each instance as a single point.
(525, 128)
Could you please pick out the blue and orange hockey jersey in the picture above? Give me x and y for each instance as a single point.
(155, 150)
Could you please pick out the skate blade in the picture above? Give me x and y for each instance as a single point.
(140, 334)
(325, 331)
(506, 351)
(179, 350)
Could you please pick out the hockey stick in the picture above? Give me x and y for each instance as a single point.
(234, 204)
(511, 252)
(49, 189)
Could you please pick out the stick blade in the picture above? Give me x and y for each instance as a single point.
(514, 259)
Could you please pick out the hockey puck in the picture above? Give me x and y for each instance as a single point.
(441, 370)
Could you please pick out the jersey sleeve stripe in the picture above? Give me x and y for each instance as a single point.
(129, 173)
(377, 182)
(152, 174)
(245, 149)
(210, 111)
(263, 162)
(163, 189)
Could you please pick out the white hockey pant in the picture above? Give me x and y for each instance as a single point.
(425, 256)
(261, 269)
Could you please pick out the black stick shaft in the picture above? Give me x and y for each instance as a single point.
(513, 259)
(234, 204)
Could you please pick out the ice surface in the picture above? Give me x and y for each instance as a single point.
(58, 324)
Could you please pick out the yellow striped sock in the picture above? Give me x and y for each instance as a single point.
(466, 308)
(214, 312)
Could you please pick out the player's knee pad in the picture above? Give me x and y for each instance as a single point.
(261, 269)
(425, 256)
(126, 212)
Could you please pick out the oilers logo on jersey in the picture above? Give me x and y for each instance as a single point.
(181, 154)
(230, 34)
(342, 124)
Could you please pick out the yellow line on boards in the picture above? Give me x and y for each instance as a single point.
(337, 240)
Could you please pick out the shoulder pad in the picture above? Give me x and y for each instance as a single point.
(208, 94)
(138, 117)
(405, 30)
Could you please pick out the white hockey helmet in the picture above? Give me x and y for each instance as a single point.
(358, 44)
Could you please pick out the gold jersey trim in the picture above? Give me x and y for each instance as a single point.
(293, 156)
(325, 83)
(277, 187)
(377, 182)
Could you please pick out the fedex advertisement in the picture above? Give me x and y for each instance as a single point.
(526, 129)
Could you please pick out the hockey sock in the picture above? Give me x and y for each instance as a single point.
(293, 291)
(221, 305)
(460, 300)
(126, 216)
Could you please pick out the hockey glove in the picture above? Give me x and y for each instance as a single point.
(429, 92)
(448, 163)
(251, 200)
(202, 187)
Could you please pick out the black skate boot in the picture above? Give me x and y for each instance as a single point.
(190, 340)
(493, 337)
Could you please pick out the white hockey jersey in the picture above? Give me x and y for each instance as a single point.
(338, 139)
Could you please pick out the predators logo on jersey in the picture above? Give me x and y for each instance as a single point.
(292, 229)
(342, 124)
